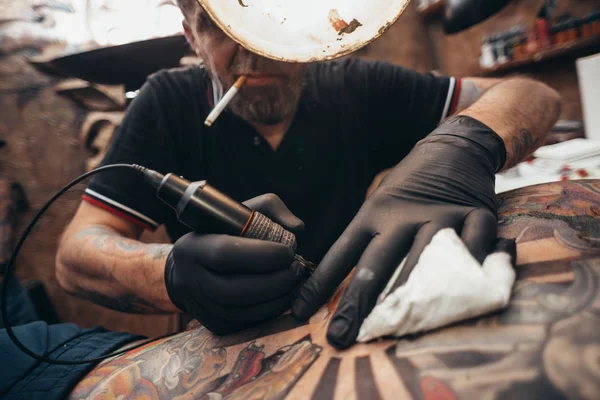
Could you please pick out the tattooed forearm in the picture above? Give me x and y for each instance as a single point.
(128, 248)
(102, 265)
(129, 245)
(95, 230)
(472, 89)
(128, 303)
(523, 145)
(521, 111)
(158, 251)
(111, 243)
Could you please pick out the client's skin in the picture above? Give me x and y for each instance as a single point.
(538, 345)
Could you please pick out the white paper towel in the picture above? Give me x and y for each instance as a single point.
(446, 286)
(588, 73)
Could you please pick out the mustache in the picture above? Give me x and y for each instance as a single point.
(254, 64)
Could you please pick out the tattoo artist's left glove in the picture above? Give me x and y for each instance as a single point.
(447, 180)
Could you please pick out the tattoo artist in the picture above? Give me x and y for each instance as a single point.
(300, 143)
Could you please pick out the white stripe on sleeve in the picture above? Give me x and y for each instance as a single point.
(121, 206)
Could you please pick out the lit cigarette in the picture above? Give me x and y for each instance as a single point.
(214, 114)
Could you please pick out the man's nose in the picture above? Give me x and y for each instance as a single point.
(248, 56)
(242, 51)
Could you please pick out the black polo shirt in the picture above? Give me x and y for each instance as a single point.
(355, 118)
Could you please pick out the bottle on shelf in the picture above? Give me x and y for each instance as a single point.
(555, 34)
(520, 41)
(560, 33)
(487, 59)
(501, 48)
(590, 24)
(572, 30)
(531, 46)
(542, 26)
(542, 33)
(586, 29)
(595, 20)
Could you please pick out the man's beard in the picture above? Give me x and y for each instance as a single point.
(269, 104)
(266, 104)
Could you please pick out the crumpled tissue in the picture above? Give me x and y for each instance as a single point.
(447, 285)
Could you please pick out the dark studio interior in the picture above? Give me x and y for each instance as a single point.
(396, 199)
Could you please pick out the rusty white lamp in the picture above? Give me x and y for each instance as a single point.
(304, 31)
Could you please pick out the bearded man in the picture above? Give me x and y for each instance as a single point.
(303, 142)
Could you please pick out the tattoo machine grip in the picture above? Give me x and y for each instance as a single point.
(206, 209)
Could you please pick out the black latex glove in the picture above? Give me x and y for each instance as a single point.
(229, 283)
(447, 180)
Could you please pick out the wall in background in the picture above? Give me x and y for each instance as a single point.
(44, 150)
(405, 43)
(43, 153)
(77, 25)
(420, 43)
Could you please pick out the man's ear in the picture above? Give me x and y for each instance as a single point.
(189, 35)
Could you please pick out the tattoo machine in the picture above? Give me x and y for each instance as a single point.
(197, 204)
(201, 206)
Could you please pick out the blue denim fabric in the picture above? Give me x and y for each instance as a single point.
(20, 307)
(24, 378)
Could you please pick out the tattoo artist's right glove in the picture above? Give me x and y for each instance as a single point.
(230, 283)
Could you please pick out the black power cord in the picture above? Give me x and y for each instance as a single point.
(9, 270)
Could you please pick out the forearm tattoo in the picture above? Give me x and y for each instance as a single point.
(95, 230)
(158, 251)
(109, 243)
(469, 94)
(472, 90)
(129, 303)
(522, 145)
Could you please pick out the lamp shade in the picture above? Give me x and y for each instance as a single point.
(303, 31)
(463, 14)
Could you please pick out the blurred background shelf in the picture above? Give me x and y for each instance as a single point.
(579, 48)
